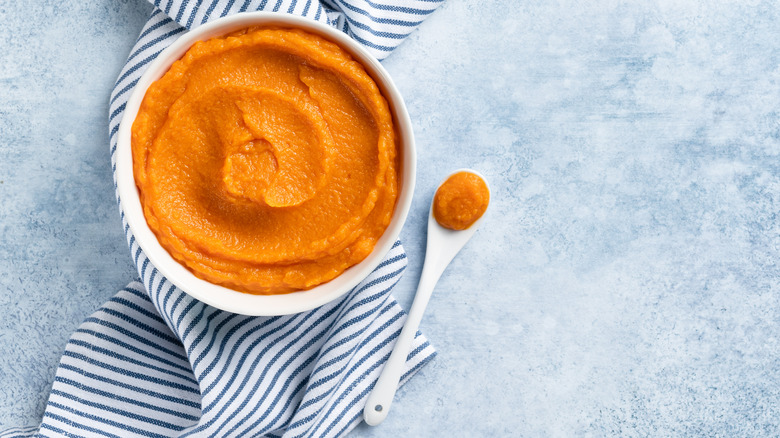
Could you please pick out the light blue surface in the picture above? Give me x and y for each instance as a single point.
(626, 280)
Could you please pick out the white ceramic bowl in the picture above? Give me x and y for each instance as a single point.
(222, 297)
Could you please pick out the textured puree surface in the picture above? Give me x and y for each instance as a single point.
(266, 160)
(460, 201)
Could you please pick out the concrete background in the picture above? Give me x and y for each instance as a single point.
(625, 282)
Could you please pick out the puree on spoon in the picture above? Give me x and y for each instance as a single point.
(266, 160)
(460, 201)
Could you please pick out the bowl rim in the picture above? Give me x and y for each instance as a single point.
(222, 297)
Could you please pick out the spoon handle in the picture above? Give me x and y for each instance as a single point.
(381, 397)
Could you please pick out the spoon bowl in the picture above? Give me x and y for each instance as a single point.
(443, 243)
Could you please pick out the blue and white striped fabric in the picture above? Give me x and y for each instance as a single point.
(155, 362)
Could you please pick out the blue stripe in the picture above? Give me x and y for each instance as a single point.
(163, 308)
(182, 7)
(246, 5)
(392, 8)
(131, 305)
(157, 39)
(72, 424)
(226, 339)
(332, 361)
(143, 268)
(18, 432)
(172, 311)
(132, 335)
(351, 420)
(277, 376)
(358, 398)
(157, 294)
(94, 362)
(165, 303)
(194, 322)
(134, 388)
(267, 366)
(319, 13)
(358, 318)
(145, 327)
(111, 135)
(116, 112)
(291, 397)
(372, 31)
(378, 19)
(18, 429)
(344, 341)
(422, 347)
(137, 254)
(141, 294)
(381, 294)
(214, 313)
(246, 352)
(368, 43)
(115, 355)
(124, 90)
(237, 368)
(213, 339)
(185, 312)
(391, 260)
(369, 338)
(360, 362)
(192, 14)
(115, 411)
(105, 421)
(357, 333)
(82, 387)
(153, 27)
(136, 350)
(227, 8)
(379, 362)
(208, 12)
(308, 418)
(370, 298)
(379, 280)
(138, 65)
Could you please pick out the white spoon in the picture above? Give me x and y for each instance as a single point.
(443, 245)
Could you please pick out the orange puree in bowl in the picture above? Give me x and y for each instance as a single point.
(460, 201)
(266, 160)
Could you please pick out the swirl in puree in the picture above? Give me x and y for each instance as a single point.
(266, 160)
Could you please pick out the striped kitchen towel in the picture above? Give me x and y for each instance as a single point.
(155, 362)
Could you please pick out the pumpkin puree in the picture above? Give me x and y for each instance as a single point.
(460, 201)
(266, 160)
